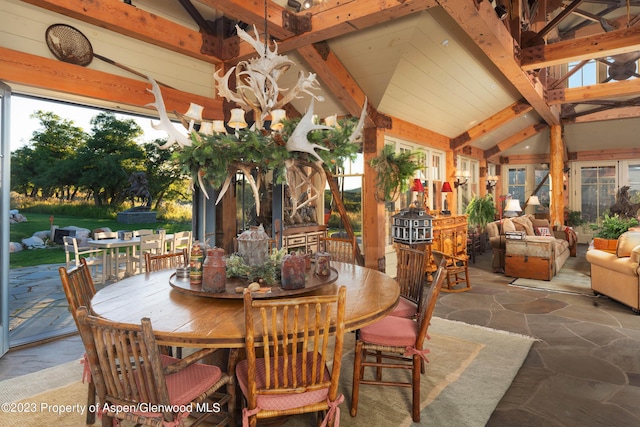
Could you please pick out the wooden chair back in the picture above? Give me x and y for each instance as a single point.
(78, 287)
(411, 272)
(155, 262)
(125, 361)
(142, 232)
(342, 250)
(428, 301)
(182, 239)
(283, 329)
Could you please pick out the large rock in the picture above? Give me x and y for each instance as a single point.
(33, 242)
(14, 247)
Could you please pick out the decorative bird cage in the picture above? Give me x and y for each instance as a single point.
(412, 226)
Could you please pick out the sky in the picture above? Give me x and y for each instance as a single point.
(23, 126)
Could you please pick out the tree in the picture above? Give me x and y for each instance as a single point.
(43, 165)
(165, 177)
(110, 156)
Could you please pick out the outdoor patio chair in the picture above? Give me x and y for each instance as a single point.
(79, 289)
(93, 257)
(411, 279)
(396, 343)
(130, 372)
(151, 243)
(292, 376)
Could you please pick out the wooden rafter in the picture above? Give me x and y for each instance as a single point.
(45, 73)
(518, 109)
(513, 140)
(598, 46)
(593, 92)
(610, 114)
(480, 22)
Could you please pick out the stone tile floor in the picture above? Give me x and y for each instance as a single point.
(583, 370)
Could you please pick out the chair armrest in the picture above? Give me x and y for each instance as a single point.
(189, 360)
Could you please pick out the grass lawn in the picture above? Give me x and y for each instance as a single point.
(55, 253)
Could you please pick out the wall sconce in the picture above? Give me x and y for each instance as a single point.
(492, 180)
(462, 179)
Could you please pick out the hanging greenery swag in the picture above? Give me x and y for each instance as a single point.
(211, 156)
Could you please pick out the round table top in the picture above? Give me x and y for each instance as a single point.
(190, 320)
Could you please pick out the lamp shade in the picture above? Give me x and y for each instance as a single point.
(513, 205)
(218, 126)
(446, 187)
(276, 119)
(533, 201)
(237, 119)
(206, 128)
(194, 112)
(417, 185)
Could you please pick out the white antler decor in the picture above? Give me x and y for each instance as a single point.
(217, 157)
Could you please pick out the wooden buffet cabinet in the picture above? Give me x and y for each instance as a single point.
(449, 237)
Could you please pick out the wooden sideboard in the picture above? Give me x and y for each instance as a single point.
(305, 239)
(449, 236)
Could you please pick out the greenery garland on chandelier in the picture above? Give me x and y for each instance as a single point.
(211, 156)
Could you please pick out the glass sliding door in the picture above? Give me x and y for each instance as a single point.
(5, 189)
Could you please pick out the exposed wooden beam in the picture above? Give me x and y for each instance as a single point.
(45, 73)
(523, 159)
(513, 111)
(591, 92)
(513, 140)
(481, 23)
(413, 133)
(600, 155)
(132, 22)
(334, 18)
(615, 42)
(612, 114)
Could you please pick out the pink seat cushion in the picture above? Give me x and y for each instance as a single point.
(391, 331)
(186, 385)
(405, 308)
(285, 401)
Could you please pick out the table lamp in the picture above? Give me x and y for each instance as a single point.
(512, 208)
(446, 188)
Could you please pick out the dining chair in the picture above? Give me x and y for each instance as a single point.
(457, 272)
(152, 243)
(93, 257)
(396, 343)
(136, 382)
(79, 289)
(142, 232)
(155, 262)
(291, 377)
(181, 240)
(340, 249)
(411, 278)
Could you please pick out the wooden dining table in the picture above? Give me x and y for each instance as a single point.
(189, 320)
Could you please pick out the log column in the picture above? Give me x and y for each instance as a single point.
(556, 155)
(373, 213)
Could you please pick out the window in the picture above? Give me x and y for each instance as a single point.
(586, 75)
(597, 190)
(544, 192)
(516, 180)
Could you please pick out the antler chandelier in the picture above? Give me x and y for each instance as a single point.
(210, 154)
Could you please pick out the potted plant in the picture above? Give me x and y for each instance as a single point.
(606, 234)
(481, 211)
(393, 172)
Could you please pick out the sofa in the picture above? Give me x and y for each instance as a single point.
(616, 274)
(564, 239)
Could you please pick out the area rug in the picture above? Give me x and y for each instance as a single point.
(469, 370)
(566, 281)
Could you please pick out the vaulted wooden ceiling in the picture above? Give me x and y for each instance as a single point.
(452, 68)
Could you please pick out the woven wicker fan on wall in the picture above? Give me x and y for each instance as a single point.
(68, 44)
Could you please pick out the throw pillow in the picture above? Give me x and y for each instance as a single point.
(543, 231)
(626, 243)
(526, 222)
(507, 225)
(540, 222)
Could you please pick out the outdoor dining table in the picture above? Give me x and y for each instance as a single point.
(191, 320)
(111, 248)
